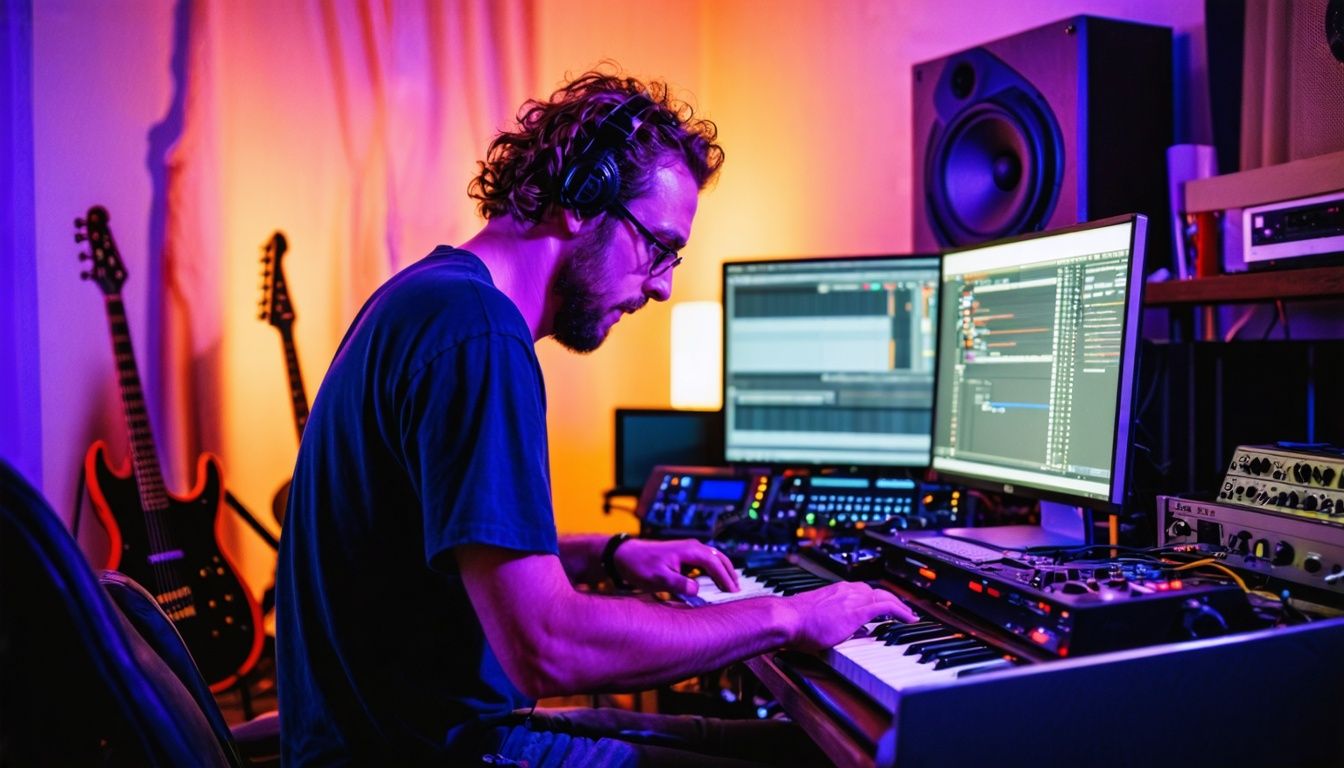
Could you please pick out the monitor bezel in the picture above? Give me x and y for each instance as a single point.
(1128, 376)
(861, 468)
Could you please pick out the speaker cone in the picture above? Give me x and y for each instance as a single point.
(993, 171)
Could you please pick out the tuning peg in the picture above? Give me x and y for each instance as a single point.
(266, 259)
(261, 316)
(80, 237)
(85, 275)
(79, 221)
(83, 256)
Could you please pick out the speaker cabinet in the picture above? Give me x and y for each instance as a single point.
(1293, 81)
(1061, 124)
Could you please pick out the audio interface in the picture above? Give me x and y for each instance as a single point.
(1282, 547)
(1303, 482)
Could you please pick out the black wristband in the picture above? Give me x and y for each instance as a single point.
(609, 559)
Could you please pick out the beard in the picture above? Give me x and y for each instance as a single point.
(582, 285)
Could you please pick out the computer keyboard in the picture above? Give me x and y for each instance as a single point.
(966, 550)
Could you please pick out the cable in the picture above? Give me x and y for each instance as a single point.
(1240, 323)
(1209, 561)
(79, 503)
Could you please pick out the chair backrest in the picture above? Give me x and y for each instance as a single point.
(143, 613)
(78, 685)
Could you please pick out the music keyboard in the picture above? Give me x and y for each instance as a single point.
(891, 657)
(883, 698)
(887, 656)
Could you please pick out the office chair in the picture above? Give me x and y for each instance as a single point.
(78, 683)
(257, 741)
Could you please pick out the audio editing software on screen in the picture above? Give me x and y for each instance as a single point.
(830, 362)
(1030, 371)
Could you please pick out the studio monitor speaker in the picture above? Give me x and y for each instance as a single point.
(1064, 123)
(1292, 98)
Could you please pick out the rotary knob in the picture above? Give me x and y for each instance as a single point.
(1261, 548)
(1312, 564)
(1283, 553)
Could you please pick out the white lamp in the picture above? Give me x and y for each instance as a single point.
(697, 355)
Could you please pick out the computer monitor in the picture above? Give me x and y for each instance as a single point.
(647, 437)
(1037, 362)
(828, 362)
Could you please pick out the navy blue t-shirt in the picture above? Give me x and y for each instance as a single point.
(427, 433)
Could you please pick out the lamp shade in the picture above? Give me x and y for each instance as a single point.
(697, 355)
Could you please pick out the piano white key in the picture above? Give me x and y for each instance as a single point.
(749, 586)
(710, 593)
(883, 671)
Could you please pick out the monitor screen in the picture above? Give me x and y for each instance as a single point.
(647, 437)
(1036, 362)
(829, 362)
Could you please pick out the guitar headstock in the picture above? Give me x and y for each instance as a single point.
(276, 308)
(108, 271)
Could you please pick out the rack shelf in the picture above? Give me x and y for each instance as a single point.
(1314, 283)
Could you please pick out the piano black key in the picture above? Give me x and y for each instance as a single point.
(956, 653)
(1001, 664)
(968, 658)
(934, 633)
(886, 634)
(929, 647)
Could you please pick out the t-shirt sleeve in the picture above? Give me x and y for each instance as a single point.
(473, 433)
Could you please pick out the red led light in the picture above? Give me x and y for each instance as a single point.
(1044, 606)
(976, 586)
(1163, 586)
(928, 574)
(1176, 584)
(1040, 636)
(994, 592)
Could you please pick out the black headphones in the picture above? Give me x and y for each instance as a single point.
(592, 181)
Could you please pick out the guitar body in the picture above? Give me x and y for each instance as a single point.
(215, 614)
(280, 504)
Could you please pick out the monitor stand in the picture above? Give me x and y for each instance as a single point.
(1061, 526)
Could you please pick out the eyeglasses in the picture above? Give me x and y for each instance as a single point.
(664, 256)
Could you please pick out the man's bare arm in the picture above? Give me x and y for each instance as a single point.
(552, 640)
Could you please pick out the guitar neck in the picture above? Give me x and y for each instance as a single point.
(144, 454)
(298, 399)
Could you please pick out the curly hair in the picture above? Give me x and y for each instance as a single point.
(521, 174)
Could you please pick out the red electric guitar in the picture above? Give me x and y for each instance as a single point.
(167, 543)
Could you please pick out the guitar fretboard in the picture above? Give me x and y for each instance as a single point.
(298, 399)
(144, 455)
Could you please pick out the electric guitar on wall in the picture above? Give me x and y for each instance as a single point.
(167, 543)
(278, 312)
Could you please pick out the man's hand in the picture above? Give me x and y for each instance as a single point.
(830, 615)
(656, 566)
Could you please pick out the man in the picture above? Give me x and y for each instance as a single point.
(423, 593)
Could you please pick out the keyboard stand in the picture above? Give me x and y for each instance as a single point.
(845, 724)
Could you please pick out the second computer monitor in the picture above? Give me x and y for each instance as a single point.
(829, 362)
(1037, 360)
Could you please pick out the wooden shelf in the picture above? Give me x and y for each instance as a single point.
(1288, 181)
(1248, 287)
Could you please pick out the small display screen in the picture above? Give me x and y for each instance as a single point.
(721, 490)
